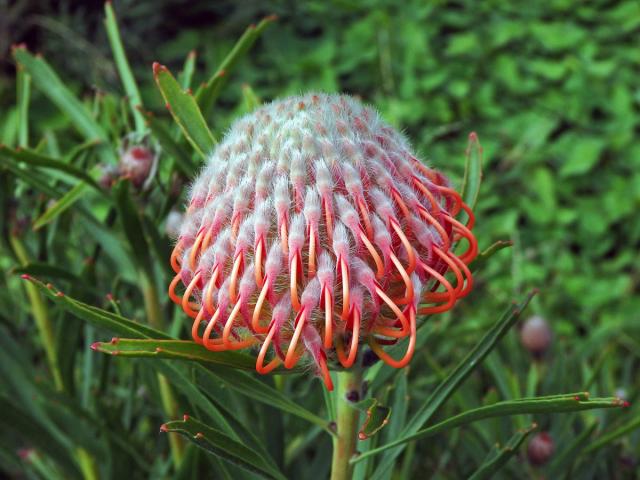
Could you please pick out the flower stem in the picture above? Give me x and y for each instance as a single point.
(344, 443)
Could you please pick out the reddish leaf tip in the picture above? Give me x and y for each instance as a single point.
(271, 18)
(185, 417)
(109, 296)
(222, 73)
(94, 346)
(114, 340)
(158, 68)
(59, 294)
(198, 436)
(362, 436)
(158, 349)
(626, 404)
(115, 352)
(163, 428)
(192, 54)
(25, 276)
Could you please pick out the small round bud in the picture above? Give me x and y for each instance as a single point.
(540, 449)
(536, 335)
(138, 163)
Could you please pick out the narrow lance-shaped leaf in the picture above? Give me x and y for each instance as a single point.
(23, 94)
(47, 81)
(185, 110)
(60, 206)
(174, 349)
(498, 457)
(223, 446)
(186, 75)
(238, 380)
(132, 226)
(208, 93)
(120, 57)
(451, 383)
(32, 158)
(170, 146)
(550, 404)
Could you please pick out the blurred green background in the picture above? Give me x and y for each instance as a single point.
(552, 89)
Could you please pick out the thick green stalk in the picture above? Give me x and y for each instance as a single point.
(344, 443)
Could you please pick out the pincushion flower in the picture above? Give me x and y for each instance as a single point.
(314, 230)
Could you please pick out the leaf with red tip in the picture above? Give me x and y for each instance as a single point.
(539, 405)
(226, 448)
(178, 350)
(185, 111)
(377, 417)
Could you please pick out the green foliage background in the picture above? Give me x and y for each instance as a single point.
(552, 90)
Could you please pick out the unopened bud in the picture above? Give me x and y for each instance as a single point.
(536, 335)
(540, 449)
(138, 163)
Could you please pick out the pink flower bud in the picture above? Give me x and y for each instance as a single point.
(540, 449)
(138, 163)
(536, 335)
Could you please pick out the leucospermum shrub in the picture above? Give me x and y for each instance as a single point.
(314, 243)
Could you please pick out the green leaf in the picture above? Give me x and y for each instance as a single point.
(23, 94)
(96, 316)
(32, 158)
(472, 172)
(32, 178)
(170, 146)
(132, 226)
(251, 100)
(489, 252)
(237, 380)
(174, 349)
(550, 404)
(451, 383)
(186, 75)
(120, 57)
(48, 82)
(60, 206)
(46, 270)
(562, 461)
(377, 417)
(582, 156)
(610, 437)
(207, 94)
(223, 446)
(251, 387)
(185, 111)
(499, 456)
